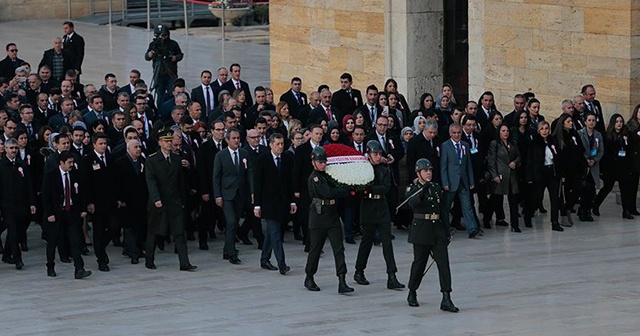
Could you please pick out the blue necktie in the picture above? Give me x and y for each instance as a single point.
(278, 164)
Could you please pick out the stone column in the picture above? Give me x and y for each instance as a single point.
(414, 46)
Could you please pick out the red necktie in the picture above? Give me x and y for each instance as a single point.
(67, 192)
(329, 113)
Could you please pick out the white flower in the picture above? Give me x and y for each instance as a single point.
(354, 173)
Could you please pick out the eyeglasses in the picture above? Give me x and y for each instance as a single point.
(383, 125)
(219, 129)
(13, 50)
(254, 137)
(298, 138)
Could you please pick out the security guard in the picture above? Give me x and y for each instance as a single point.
(374, 216)
(324, 221)
(428, 234)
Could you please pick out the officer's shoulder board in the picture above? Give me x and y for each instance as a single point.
(316, 179)
(154, 154)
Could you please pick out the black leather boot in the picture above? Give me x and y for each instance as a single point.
(393, 283)
(359, 278)
(310, 284)
(412, 299)
(343, 288)
(447, 304)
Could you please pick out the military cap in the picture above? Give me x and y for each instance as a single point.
(166, 135)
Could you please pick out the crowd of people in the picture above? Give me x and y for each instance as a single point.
(139, 171)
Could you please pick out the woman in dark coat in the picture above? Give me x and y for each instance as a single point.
(616, 166)
(633, 126)
(502, 162)
(541, 174)
(570, 165)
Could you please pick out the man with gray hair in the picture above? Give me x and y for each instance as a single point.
(17, 200)
(425, 146)
(59, 60)
(568, 108)
(579, 110)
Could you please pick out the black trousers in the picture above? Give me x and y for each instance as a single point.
(368, 234)
(181, 246)
(134, 223)
(317, 237)
(251, 223)
(480, 189)
(421, 257)
(67, 224)
(512, 199)
(211, 216)
(303, 219)
(588, 193)
(571, 188)
(103, 225)
(550, 182)
(13, 222)
(626, 198)
(634, 179)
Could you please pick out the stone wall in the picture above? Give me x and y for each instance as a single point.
(319, 40)
(52, 9)
(553, 48)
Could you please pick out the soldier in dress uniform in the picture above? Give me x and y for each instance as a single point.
(324, 221)
(428, 234)
(374, 216)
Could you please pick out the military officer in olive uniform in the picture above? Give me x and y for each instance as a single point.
(167, 196)
(374, 216)
(428, 234)
(324, 221)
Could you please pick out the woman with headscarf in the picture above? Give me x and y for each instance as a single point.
(348, 125)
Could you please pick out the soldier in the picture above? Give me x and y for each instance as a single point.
(428, 234)
(374, 216)
(324, 222)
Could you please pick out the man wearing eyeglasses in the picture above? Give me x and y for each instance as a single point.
(10, 63)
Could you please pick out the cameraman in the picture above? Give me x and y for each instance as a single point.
(165, 54)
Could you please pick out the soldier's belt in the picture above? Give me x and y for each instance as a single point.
(326, 201)
(427, 216)
(373, 196)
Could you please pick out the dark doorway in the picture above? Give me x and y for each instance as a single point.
(456, 47)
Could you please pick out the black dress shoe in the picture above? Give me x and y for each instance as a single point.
(502, 222)
(307, 248)
(556, 227)
(360, 279)
(542, 210)
(626, 215)
(284, 270)
(188, 268)
(51, 272)
(65, 260)
(103, 267)
(25, 248)
(377, 241)
(82, 273)
(150, 265)
(350, 240)
(412, 299)
(486, 224)
(204, 246)
(311, 285)
(473, 234)
(225, 256)
(516, 229)
(459, 227)
(85, 251)
(343, 288)
(246, 241)
(596, 211)
(633, 212)
(135, 261)
(19, 264)
(117, 242)
(8, 260)
(234, 260)
(267, 265)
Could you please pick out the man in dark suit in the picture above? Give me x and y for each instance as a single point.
(132, 195)
(593, 105)
(231, 173)
(73, 43)
(211, 215)
(26, 122)
(486, 110)
(130, 88)
(17, 200)
(478, 157)
(273, 199)
(457, 178)
(59, 60)
(370, 108)
(116, 128)
(519, 103)
(10, 63)
(98, 176)
(295, 98)
(63, 209)
(253, 112)
(109, 92)
(251, 223)
(424, 145)
(97, 112)
(222, 76)
(203, 93)
(235, 83)
(394, 152)
(302, 168)
(325, 111)
(347, 99)
(77, 144)
(167, 198)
